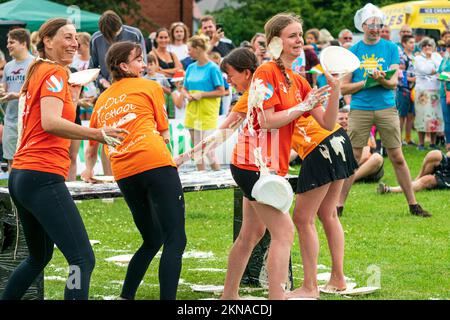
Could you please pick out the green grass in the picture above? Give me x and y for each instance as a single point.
(412, 253)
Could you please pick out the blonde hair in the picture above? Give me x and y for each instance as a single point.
(214, 55)
(273, 28)
(199, 41)
(83, 38)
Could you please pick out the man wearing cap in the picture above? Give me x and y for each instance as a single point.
(376, 105)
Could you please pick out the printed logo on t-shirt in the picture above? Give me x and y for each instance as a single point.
(55, 84)
(269, 92)
(371, 63)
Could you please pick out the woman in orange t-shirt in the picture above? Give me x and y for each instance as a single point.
(45, 207)
(287, 98)
(327, 160)
(143, 167)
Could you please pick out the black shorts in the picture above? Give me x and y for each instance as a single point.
(245, 179)
(375, 177)
(326, 164)
(442, 173)
(77, 116)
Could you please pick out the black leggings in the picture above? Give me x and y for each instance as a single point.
(49, 216)
(156, 201)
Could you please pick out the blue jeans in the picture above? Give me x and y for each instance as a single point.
(446, 112)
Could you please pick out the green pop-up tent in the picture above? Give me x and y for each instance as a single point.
(36, 12)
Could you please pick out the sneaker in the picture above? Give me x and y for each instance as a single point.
(421, 147)
(383, 188)
(417, 210)
(339, 210)
(412, 143)
(434, 147)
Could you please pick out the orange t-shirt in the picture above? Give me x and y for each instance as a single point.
(275, 143)
(308, 134)
(137, 105)
(241, 104)
(39, 150)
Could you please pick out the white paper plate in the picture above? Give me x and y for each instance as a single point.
(360, 291)
(274, 191)
(104, 178)
(207, 288)
(350, 287)
(351, 290)
(124, 258)
(82, 78)
(338, 60)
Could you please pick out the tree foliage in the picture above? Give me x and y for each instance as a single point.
(243, 18)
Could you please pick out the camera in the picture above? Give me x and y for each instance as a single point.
(220, 26)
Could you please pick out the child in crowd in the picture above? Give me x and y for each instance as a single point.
(179, 97)
(152, 74)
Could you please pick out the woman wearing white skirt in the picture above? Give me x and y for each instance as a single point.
(429, 116)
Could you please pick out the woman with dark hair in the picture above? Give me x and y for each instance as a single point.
(287, 96)
(143, 167)
(239, 66)
(45, 207)
(167, 61)
(179, 34)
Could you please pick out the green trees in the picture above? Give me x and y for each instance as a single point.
(245, 17)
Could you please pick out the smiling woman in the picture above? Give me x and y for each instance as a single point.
(36, 184)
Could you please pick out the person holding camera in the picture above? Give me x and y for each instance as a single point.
(259, 47)
(214, 31)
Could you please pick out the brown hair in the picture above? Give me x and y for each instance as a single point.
(47, 30)
(151, 58)
(314, 32)
(199, 41)
(21, 35)
(256, 36)
(208, 18)
(83, 38)
(240, 59)
(273, 28)
(173, 26)
(406, 38)
(109, 24)
(118, 53)
(34, 37)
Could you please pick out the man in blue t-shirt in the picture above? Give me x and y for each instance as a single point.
(375, 104)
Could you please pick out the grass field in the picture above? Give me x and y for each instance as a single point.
(411, 253)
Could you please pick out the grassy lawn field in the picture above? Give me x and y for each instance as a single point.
(410, 253)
